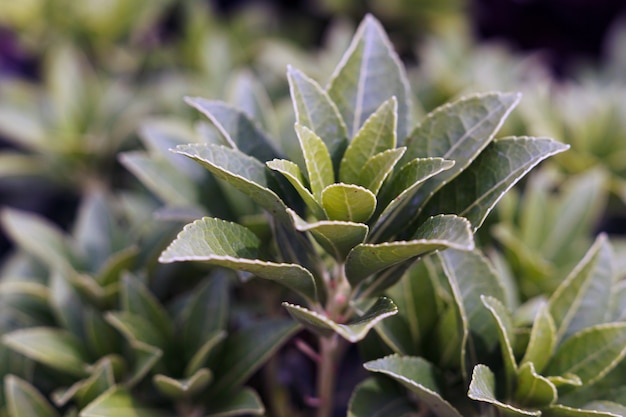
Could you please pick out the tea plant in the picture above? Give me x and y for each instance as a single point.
(369, 194)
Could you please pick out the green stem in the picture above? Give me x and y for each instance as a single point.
(331, 351)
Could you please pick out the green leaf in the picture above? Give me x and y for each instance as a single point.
(475, 192)
(542, 340)
(401, 190)
(583, 298)
(314, 109)
(353, 331)
(377, 135)
(369, 74)
(55, 348)
(417, 375)
(236, 127)
(559, 410)
(87, 390)
(590, 353)
(470, 277)
(18, 164)
(506, 333)
(145, 358)
(534, 390)
(183, 388)
(458, 131)
(118, 402)
(336, 237)
(244, 402)
(230, 245)
(137, 299)
(606, 406)
(249, 95)
(136, 328)
(378, 168)
(200, 357)
(319, 166)
(348, 202)
(436, 233)
(243, 172)
(25, 401)
(245, 351)
(483, 388)
(40, 238)
(292, 172)
(371, 399)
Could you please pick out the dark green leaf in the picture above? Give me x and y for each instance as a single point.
(25, 401)
(244, 402)
(370, 399)
(181, 389)
(137, 299)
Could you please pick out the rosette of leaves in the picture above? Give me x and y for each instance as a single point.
(101, 341)
(370, 195)
(461, 350)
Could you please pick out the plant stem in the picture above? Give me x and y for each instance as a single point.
(326, 375)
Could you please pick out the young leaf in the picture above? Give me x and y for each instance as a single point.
(474, 192)
(417, 375)
(138, 300)
(181, 389)
(436, 233)
(230, 245)
(369, 73)
(244, 402)
(534, 390)
(583, 298)
(377, 135)
(506, 332)
(370, 399)
(136, 329)
(377, 168)
(337, 238)
(292, 172)
(145, 359)
(25, 401)
(238, 130)
(247, 93)
(118, 402)
(542, 340)
(243, 172)
(53, 347)
(200, 356)
(353, 331)
(319, 166)
(314, 109)
(483, 388)
(348, 202)
(590, 353)
(244, 352)
(462, 269)
(86, 390)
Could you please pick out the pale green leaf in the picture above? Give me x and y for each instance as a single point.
(18, 164)
(607, 406)
(292, 172)
(417, 375)
(66, 81)
(314, 109)
(243, 172)
(377, 168)
(348, 202)
(20, 127)
(369, 74)
(590, 353)
(483, 388)
(566, 380)
(55, 348)
(542, 340)
(25, 401)
(230, 245)
(583, 298)
(475, 192)
(336, 237)
(119, 402)
(559, 410)
(353, 331)
(506, 333)
(180, 389)
(370, 399)
(247, 93)
(401, 190)
(237, 128)
(436, 233)
(457, 131)
(534, 390)
(470, 277)
(244, 402)
(319, 166)
(377, 135)
(40, 238)
(245, 351)
(137, 299)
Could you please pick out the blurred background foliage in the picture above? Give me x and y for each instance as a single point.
(83, 81)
